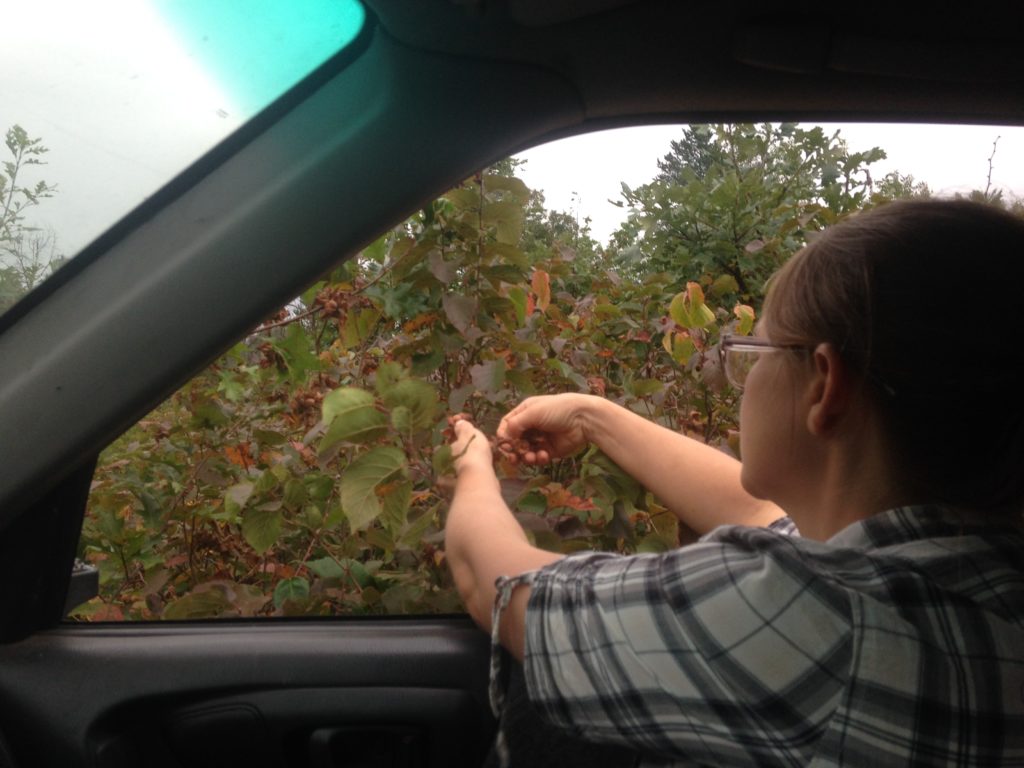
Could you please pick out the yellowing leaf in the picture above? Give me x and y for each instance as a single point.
(541, 285)
(745, 315)
(689, 310)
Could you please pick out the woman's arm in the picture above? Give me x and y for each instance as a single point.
(698, 483)
(483, 540)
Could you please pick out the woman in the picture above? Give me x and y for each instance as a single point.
(882, 417)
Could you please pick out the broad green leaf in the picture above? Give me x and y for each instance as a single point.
(416, 395)
(295, 590)
(402, 599)
(533, 502)
(297, 350)
(644, 387)
(724, 284)
(341, 569)
(266, 482)
(351, 414)
(236, 496)
(261, 527)
(502, 273)
(507, 217)
(412, 536)
(464, 198)
(209, 413)
(510, 184)
(359, 484)
(396, 505)
(326, 568)
(152, 512)
(294, 494)
(509, 253)
(388, 374)
(197, 605)
(269, 437)
(319, 487)
(517, 295)
(401, 419)
(425, 364)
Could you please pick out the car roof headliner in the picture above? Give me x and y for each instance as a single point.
(635, 59)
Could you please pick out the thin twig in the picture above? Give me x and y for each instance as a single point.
(988, 181)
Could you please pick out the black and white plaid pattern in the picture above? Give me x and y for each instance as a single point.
(898, 642)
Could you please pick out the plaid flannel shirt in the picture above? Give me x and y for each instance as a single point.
(900, 641)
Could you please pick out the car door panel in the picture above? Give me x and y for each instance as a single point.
(370, 692)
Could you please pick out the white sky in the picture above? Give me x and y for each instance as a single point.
(122, 108)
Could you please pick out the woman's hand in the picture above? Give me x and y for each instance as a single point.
(471, 450)
(561, 419)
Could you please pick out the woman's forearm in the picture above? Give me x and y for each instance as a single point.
(484, 541)
(698, 483)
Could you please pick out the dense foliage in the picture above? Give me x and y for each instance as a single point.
(305, 471)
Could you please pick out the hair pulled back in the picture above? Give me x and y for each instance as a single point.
(922, 300)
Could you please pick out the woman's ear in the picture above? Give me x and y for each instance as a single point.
(830, 391)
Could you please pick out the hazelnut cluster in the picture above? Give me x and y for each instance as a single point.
(532, 448)
(306, 403)
(331, 301)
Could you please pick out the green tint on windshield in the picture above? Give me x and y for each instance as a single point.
(255, 51)
(104, 103)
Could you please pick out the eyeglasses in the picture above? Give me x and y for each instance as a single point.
(738, 354)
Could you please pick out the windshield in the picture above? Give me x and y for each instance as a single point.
(104, 103)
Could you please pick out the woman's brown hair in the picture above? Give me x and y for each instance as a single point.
(922, 299)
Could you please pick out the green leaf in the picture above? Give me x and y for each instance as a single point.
(517, 295)
(261, 526)
(419, 397)
(268, 437)
(533, 502)
(388, 374)
(723, 285)
(294, 494)
(326, 568)
(359, 484)
(297, 350)
(401, 419)
(351, 415)
(644, 387)
(236, 496)
(294, 590)
(152, 512)
(319, 487)
(198, 605)
(396, 505)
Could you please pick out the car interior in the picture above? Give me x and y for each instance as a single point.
(424, 95)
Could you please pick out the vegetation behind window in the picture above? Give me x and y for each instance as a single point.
(304, 473)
